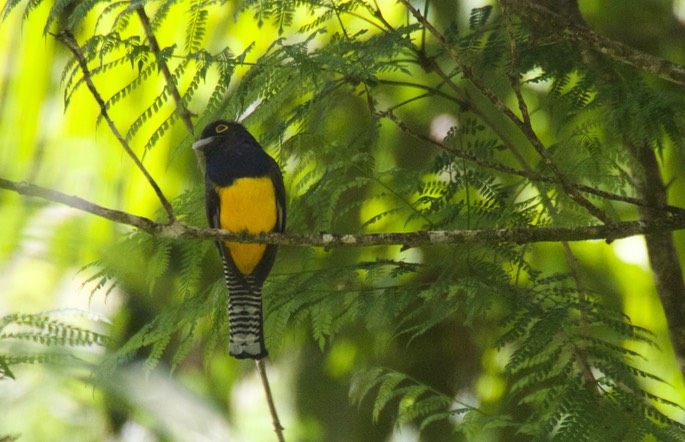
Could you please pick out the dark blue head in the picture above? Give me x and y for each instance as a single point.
(231, 152)
(230, 132)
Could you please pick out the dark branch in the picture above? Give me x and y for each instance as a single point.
(171, 85)
(570, 29)
(661, 247)
(70, 42)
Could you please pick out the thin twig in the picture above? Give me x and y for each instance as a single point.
(528, 173)
(578, 347)
(579, 354)
(519, 235)
(278, 428)
(70, 42)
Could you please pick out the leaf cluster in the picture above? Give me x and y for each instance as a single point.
(42, 338)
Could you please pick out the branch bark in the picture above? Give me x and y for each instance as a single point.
(68, 40)
(171, 85)
(519, 235)
(75, 202)
(568, 28)
(663, 256)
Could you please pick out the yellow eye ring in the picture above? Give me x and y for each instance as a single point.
(221, 128)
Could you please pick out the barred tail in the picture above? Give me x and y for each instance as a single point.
(245, 317)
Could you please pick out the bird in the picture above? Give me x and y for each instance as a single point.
(244, 192)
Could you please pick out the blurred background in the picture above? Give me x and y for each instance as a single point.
(45, 250)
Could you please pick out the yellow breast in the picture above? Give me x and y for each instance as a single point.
(249, 204)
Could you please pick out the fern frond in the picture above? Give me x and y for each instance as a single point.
(44, 329)
(5, 370)
(31, 5)
(56, 11)
(122, 19)
(262, 10)
(111, 9)
(416, 401)
(161, 14)
(283, 13)
(192, 257)
(184, 348)
(218, 331)
(8, 7)
(143, 74)
(363, 382)
(158, 102)
(157, 334)
(151, 110)
(196, 28)
(157, 349)
(70, 87)
(387, 390)
(158, 262)
(80, 11)
(322, 320)
(225, 64)
(320, 20)
(161, 130)
(53, 338)
(479, 17)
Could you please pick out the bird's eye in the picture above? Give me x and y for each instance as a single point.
(221, 128)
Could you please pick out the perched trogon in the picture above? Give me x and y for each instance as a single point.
(244, 192)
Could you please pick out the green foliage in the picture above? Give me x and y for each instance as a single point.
(174, 269)
(44, 338)
(416, 401)
(571, 366)
(344, 102)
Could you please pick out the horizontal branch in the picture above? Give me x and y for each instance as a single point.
(519, 235)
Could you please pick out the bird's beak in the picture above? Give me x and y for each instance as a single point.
(198, 145)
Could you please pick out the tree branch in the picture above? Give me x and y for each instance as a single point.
(661, 247)
(519, 235)
(75, 202)
(70, 42)
(569, 29)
